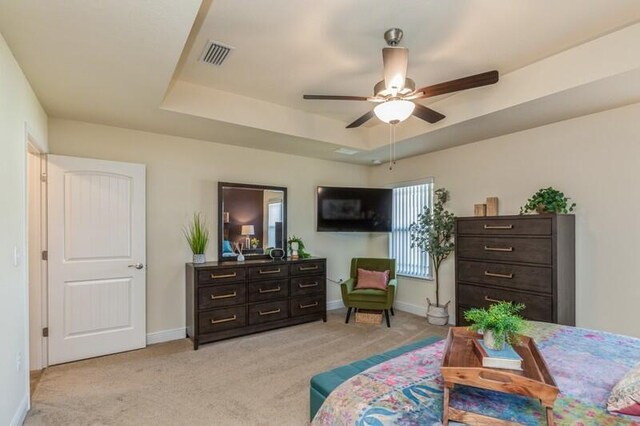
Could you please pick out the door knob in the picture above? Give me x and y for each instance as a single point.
(137, 266)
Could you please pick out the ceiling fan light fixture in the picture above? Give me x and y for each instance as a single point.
(394, 111)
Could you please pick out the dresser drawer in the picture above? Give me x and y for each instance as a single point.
(508, 249)
(216, 296)
(220, 275)
(538, 308)
(310, 267)
(307, 285)
(266, 290)
(306, 305)
(269, 311)
(503, 226)
(222, 319)
(530, 278)
(268, 271)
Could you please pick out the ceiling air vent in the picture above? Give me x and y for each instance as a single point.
(215, 53)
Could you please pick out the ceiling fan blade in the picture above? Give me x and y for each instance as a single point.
(427, 114)
(478, 80)
(335, 97)
(360, 121)
(395, 60)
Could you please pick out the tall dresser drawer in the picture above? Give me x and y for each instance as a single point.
(528, 278)
(222, 319)
(533, 226)
(307, 285)
(306, 305)
(216, 296)
(310, 267)
(507, 249)
(266, 290)
(221, 275)
(268, 271)
(269, 311)
(538, 308)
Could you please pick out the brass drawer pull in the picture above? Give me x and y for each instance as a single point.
(233, 318)
(310, 305)
(308, 268)
(273, 271)
(498, 227)
(217, 277)
(224, 296)
(508, 249)
(275, 311)
(489, 299)
(269, 290)
(493, 274)
(314, 284)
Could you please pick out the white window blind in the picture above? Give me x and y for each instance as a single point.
(408, 202)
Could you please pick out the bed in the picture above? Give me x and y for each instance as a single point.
(407, 389)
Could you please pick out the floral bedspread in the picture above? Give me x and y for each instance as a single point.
(407, 390)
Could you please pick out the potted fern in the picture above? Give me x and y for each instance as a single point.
(498, 324)
(197, 236)
(432, 233)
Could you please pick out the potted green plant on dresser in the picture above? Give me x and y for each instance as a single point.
(548, 200)
(197, 236)
(432, 233)
(498, 324)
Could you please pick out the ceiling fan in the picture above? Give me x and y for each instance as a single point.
(396, 95)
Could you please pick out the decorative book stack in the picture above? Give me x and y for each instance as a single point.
(507, 358)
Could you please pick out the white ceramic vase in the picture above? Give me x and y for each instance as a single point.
(199, 258)
(437, 314)
(490, 340)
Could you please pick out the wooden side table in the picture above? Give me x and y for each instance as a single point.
(462, 365)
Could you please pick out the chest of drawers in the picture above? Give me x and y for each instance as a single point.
(523, 259)
(232, 299)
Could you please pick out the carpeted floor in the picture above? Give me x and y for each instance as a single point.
(262, 379)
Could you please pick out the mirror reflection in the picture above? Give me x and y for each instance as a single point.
(253, 220)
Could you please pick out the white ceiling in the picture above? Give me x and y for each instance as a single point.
(135, 64)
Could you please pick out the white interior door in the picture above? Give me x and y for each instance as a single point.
(97, 256)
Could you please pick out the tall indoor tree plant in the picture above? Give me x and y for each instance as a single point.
(432, 233)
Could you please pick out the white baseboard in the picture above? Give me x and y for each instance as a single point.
(335, 304)
(166, 335)
(412, 309)
(21, 412)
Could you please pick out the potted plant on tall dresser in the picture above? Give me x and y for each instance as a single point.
(197, 236)
(432, 233)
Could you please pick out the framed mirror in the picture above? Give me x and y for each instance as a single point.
(252, 219)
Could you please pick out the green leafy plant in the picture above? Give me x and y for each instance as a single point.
(255, 242)
(197, 234)
(432, 233)
(301, 251)
(548, 200)
(501, 318)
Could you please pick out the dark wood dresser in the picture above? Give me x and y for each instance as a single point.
(229, 299)
(522, 259)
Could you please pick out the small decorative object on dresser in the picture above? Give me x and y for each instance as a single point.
(197, 236)
(479, 210)
(521, 259)
(433, 234)
(548, 200)
(229, 299)
(302, 253)
(492, 206)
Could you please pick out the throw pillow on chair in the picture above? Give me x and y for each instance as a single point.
(372, 280)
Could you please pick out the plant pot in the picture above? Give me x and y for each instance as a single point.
(541, 209)
(490, 340)
(437, 314)
(199, 258)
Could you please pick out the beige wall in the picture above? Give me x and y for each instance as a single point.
(19, 110)
(595, 160)
(182, 177)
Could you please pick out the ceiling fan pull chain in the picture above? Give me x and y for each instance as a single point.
(394, 144)
(391, 147)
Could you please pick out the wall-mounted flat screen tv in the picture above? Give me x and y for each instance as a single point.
(354, 209)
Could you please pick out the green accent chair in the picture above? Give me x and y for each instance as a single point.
(370, 299)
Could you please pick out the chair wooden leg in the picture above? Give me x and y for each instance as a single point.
(346, 321)
(392, 313)
(386, 314)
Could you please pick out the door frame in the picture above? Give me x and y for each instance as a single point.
(40, 311)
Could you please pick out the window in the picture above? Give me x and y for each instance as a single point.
(408, 202)
(274, 215)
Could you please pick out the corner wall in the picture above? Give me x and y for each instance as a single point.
(595, 160)
(19, 111)
(182, 177)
